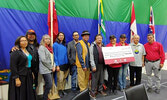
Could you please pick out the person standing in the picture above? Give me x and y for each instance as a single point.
(21, 79)
(46, 65)
(136, 66)
(113, 69)
(97, 66)
(82, 61)
(154, 61)
(72, 59)
(124, 69)
(61, 61)
(32, 48)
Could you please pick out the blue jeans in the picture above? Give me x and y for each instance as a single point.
(73, 77)
(122, 76)
(48, 85)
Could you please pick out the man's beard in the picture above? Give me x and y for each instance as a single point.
(31, 40)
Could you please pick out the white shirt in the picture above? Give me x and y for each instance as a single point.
(138, 51)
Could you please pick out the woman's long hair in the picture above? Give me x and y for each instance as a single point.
(64, 40)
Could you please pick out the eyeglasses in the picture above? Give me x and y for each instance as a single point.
(76, 35)
(23, 41)
(47, 38)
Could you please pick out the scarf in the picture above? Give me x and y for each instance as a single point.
(49, 48)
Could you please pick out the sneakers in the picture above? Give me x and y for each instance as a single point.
(96, 93)
(122, 90)
(115, 92)
(149, 90)
(75, 92)
(103, 93)
(64, 93)
(61, 94)
(92, 95)
(157, 91)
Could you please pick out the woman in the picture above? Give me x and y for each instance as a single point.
(21, 79)
(32, 48)
(46, 66)
(124, 69)
(113, 69)
(61, 60)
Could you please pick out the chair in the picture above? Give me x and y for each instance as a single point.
(137, 92)
(84, 95)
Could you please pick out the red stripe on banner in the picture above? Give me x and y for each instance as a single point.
(133, 14)
(119, 60)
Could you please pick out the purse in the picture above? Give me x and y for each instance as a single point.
(64, 67)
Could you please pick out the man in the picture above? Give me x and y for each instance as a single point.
(82, 61)
(33, 49)
(72, 59)
(97, 66)
(136, 66)
(154, 61)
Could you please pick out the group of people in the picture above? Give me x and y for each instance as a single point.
(79, 58)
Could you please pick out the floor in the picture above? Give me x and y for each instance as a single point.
(120, 95)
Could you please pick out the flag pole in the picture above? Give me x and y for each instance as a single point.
(153, 23)
(51, 10)
(98, 16)
(130, 27)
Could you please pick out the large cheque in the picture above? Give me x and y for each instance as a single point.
(119, 54)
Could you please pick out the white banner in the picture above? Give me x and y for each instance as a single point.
(118, 54)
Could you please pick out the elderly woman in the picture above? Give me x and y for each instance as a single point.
(20, 83)
(46, 65)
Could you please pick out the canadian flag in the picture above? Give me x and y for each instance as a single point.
(133, 26)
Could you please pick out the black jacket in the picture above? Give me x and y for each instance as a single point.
(18, 62)
(94, 55)
(71, 52)
(35, 58)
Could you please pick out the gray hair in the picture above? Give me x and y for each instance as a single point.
(136, 35)
(42, 40)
